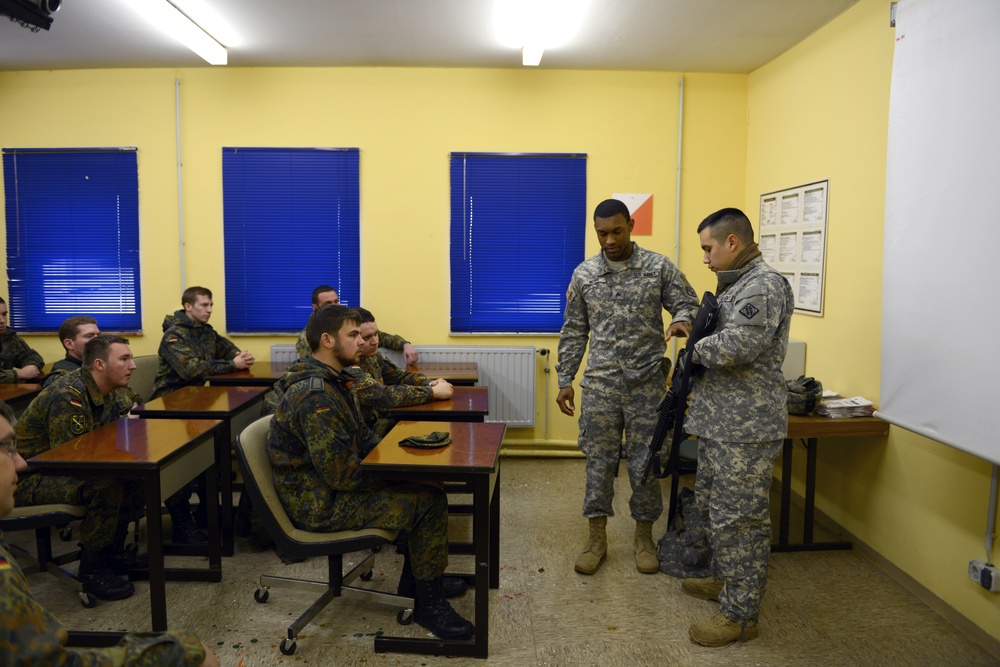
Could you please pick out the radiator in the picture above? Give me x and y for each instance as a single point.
(509, 372)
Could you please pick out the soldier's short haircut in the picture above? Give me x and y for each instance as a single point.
(2, 301)
(609, 208)
(71, 326)
(728, 221)
(321, 290)
(191, 294)
(7, 413)
(99, 347)
(329, 319)
(366, 315)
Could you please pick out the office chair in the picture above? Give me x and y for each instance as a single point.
(251, 452)
(41, 519)
(144, 375)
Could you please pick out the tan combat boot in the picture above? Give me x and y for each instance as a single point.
(593, 554)
(705, 588)
(720, 631)
(645, 551)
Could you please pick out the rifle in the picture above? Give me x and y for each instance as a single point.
(674, 404)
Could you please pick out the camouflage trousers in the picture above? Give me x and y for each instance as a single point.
(418, 509)
(108, 502)
(603, 419)
(731, 491)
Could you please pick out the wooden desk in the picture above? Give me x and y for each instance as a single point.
(164, 455)
(469, 404)
(460, 374)
(810, 428)
(471, 458)
(18, 395)
(261, 374)
(229, 404)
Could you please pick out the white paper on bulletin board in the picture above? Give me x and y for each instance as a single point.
(793, 240)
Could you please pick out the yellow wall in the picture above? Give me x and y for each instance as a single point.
(821, 111)
(405, 121)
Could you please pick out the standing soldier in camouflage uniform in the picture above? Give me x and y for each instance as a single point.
(189, 350)
(74, 333)
(380, 384)
(18, 362)
(316, 444)
(325, 295)
(617, 299)
(29, 635)
(738, 408)
(76, 403)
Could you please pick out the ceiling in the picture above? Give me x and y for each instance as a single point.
(735, 36)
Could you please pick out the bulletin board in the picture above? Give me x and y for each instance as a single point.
(793, 240)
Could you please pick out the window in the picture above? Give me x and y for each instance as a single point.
(72, 237)
(291, 219)
(518, 223)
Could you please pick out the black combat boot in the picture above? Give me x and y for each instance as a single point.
(433, 612)
(184, 530)
(99, 579)
(452, 587)
(122, 559)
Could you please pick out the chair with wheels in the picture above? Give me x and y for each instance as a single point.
(42, 519)
(255, 466)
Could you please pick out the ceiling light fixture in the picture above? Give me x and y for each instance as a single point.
(536, 25)
(173, 22)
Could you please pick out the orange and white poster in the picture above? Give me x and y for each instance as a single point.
(641, 207)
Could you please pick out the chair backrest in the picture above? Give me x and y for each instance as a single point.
(144, 374)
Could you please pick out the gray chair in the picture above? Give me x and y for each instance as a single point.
(42, 519)
(251, 452)
(144, 374)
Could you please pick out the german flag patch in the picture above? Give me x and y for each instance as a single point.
(4, 564)
(76, 402)
(172, 340)
(323, 408)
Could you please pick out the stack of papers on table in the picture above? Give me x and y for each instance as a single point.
(856, 406)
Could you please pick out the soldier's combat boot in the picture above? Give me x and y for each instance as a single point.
(98, 578)
(645, 551)
(720, 631)
(705, 588)
(184, 530)
(452, 587)
(122, 558)
(597, 547)
(433, 612)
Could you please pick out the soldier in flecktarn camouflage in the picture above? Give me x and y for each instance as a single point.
(738, 408)
(18, 362)
(317, 441)
(76, 403)
(617, 298)
(324, 295)
(74, 333)
(30, 635)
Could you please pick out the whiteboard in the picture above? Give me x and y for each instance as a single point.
(941, 271)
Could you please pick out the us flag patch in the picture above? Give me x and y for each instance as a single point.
(748, 311)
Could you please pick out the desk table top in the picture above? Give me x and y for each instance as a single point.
(201, 401)
(814, 426)
(261, 374)
(466, 401)
(474, 447)
(19, 390)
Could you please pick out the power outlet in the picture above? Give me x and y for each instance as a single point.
(985, 574)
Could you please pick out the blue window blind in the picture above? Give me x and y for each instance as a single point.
(518, 223)
(72, 237)
(291, 222)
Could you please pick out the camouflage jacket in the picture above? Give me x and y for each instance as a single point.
(188, 352)
(273, 397)
(64, 365)
(387, 340)
(620, 309)
(380, 384)
(15, 353)
(316, 444)
(30, 635)
(742, 395)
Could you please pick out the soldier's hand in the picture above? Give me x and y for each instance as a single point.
(565, 401)
(241, 360)
(442, 390)
(410, 354)
(250, 358)
(210, 659)
(679, 329)
(28, 372)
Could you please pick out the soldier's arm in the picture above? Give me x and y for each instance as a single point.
(68, 416)
(225, 349)
(334, 445)
(574, 334)
(188, 362)
(8, 376)
(302, 346)
(391, 341)
(757, 314)
(393, 374)
(677, 295)
(382, 396)
(26, 356)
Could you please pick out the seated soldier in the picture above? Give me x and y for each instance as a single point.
(317, 441)
(33, 636)
(74, 333)
(76, 403)
(18, 362)
(380, 384)
(324, 295)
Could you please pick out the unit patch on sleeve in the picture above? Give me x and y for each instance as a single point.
(748, 311)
